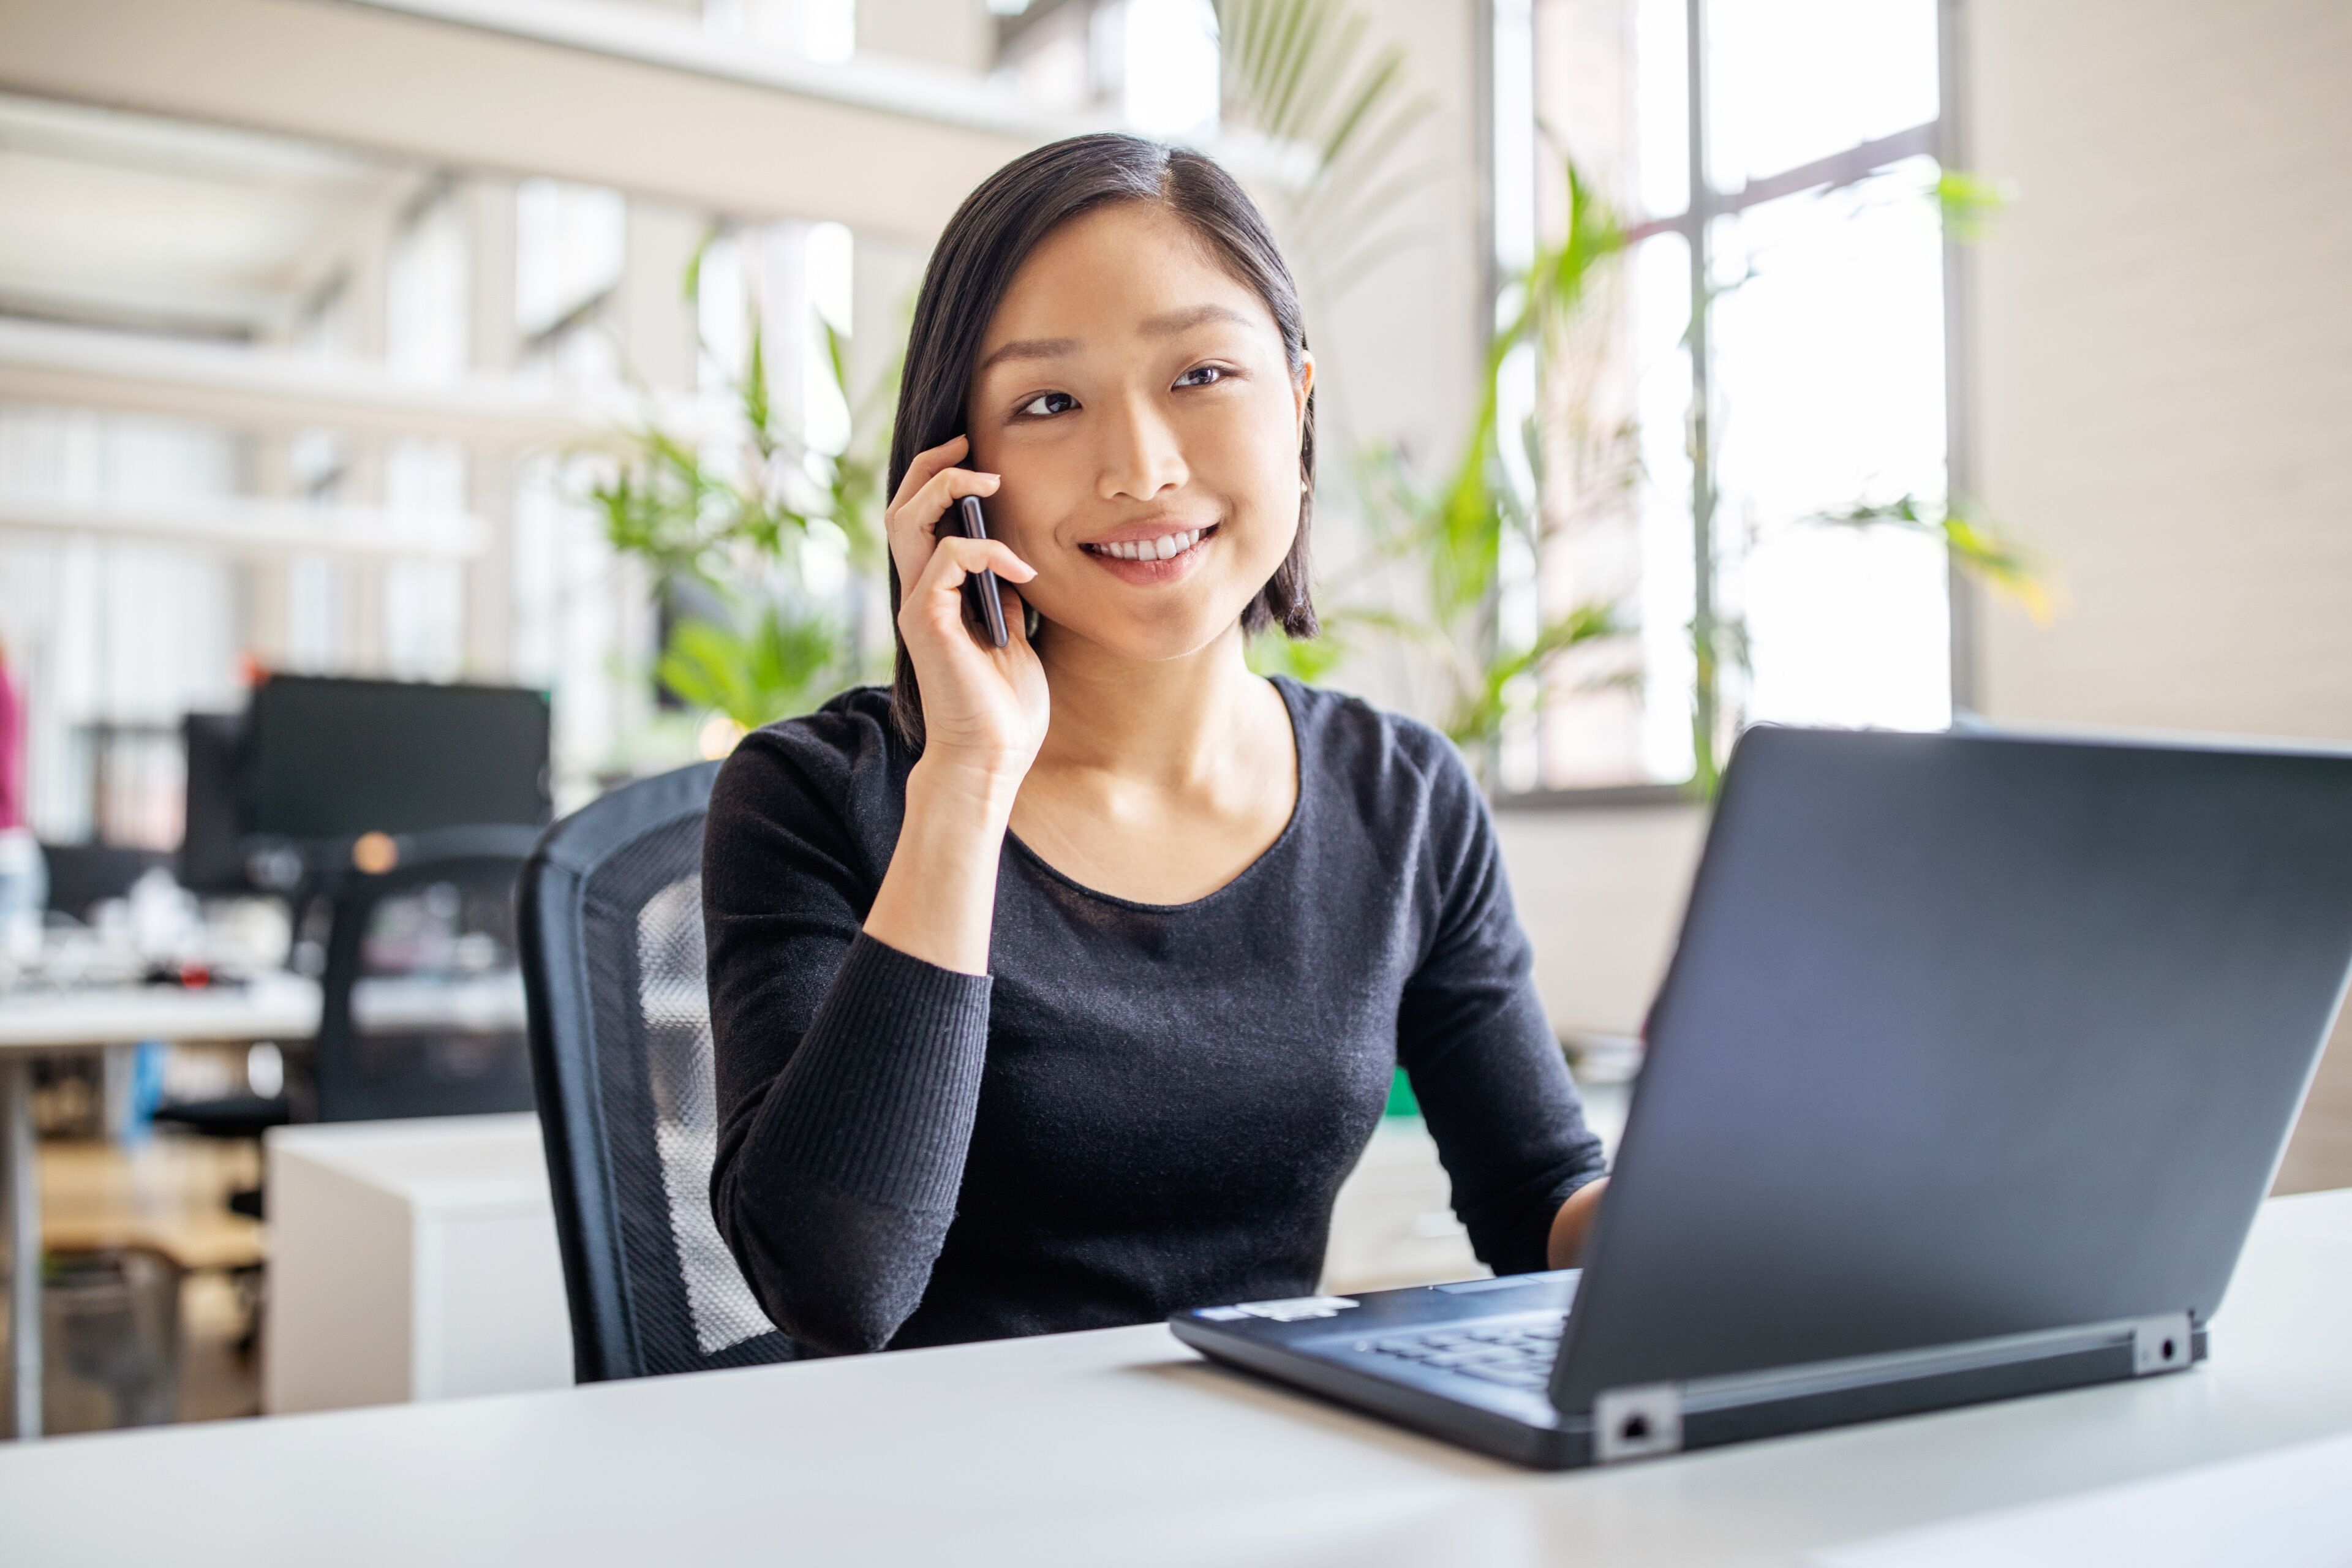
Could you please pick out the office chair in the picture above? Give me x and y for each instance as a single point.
(442, 920)
(432, 938)
(611, 916)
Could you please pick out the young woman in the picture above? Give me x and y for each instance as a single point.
(1060, 986)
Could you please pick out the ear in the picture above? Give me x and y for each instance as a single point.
(1304, 387)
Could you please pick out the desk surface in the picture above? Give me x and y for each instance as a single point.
(271, 1006)
(1120, 1446)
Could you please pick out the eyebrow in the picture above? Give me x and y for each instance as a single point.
(1030, 348)
(1160, 326)
(1175, 322)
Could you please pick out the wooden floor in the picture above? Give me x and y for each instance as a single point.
(169, 1196)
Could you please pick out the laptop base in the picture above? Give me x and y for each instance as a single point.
(1328, 1349)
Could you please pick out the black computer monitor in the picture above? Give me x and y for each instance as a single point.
(328, 758)
(212, 843)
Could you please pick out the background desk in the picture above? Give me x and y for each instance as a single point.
(36, 1023)
(1120, 1446)
(273, 1007)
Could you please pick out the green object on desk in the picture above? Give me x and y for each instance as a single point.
(1401, 1099)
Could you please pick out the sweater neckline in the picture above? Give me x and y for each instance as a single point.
(1292, 705)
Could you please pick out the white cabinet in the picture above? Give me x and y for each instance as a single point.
(411, 1260)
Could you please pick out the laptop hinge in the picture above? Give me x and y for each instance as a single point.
(1637, 1423)
(2161, 1344)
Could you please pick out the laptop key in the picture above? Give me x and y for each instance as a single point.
(1508, 1376)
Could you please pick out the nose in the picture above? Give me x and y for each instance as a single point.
(1141, 458)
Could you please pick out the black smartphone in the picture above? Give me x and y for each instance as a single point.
(990, 609)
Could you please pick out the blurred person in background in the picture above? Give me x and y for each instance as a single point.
(1061, 984)
(24, 879)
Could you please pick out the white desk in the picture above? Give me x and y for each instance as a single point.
(1120, 1448)
(38, 1022)
(273, 1007)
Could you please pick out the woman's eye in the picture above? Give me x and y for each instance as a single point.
(1046, 403)
(1201, 375)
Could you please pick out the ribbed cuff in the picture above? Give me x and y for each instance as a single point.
(878, 1102)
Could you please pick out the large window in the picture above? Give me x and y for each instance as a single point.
(1765, 364)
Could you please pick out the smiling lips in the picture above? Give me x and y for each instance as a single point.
(1166, 547)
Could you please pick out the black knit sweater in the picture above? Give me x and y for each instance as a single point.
(1142, 1107)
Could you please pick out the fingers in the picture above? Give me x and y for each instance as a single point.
(926, 464)
(932, 612)
(911, 525)
(958, 558)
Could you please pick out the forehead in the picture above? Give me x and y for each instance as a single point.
(1102, 276)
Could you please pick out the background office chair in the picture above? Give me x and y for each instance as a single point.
(620, 1037)
(430, 942)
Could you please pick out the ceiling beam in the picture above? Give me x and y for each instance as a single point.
(593, 91)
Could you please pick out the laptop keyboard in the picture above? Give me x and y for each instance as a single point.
(1518, 1355)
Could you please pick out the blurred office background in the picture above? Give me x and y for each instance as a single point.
(373, 392)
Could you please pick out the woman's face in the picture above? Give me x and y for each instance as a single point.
(1136, 398)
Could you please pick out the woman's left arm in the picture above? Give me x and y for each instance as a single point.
(1489, 1072)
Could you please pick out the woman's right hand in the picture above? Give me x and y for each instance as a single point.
(984, 709)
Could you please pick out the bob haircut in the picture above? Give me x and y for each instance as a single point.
(986, 242)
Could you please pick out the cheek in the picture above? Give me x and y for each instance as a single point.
(1256, 468)
(1022, 512)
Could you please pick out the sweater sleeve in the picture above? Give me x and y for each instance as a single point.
(847, 1072)
(1471, 1034)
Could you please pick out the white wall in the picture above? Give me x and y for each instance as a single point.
(1601, 893)
(2164, 376)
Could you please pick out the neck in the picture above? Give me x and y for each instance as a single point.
(1170, 723)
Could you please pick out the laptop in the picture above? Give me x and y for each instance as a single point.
(1975, 1059)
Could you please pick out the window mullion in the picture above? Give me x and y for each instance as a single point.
(1702, 449)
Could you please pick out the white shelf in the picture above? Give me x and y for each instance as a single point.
(42, 363)
(255, 527)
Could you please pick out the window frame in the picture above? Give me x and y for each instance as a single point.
(1940, 138)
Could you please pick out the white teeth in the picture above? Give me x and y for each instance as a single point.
(1166, 547)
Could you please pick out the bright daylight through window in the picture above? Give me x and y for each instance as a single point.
(1761, 365)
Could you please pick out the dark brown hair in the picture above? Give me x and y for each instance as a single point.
(986, 242)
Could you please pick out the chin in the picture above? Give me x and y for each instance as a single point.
(1178, 632)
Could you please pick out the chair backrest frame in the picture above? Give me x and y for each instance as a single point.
(627, 1317)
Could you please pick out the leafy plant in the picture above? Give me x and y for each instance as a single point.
(727, 525)
(1979, 544)
(1336, 103)
(781, 664)
(1455, 532)
(1314, 78)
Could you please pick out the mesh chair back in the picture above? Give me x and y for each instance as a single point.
(620, 1034)
(421, 1005)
